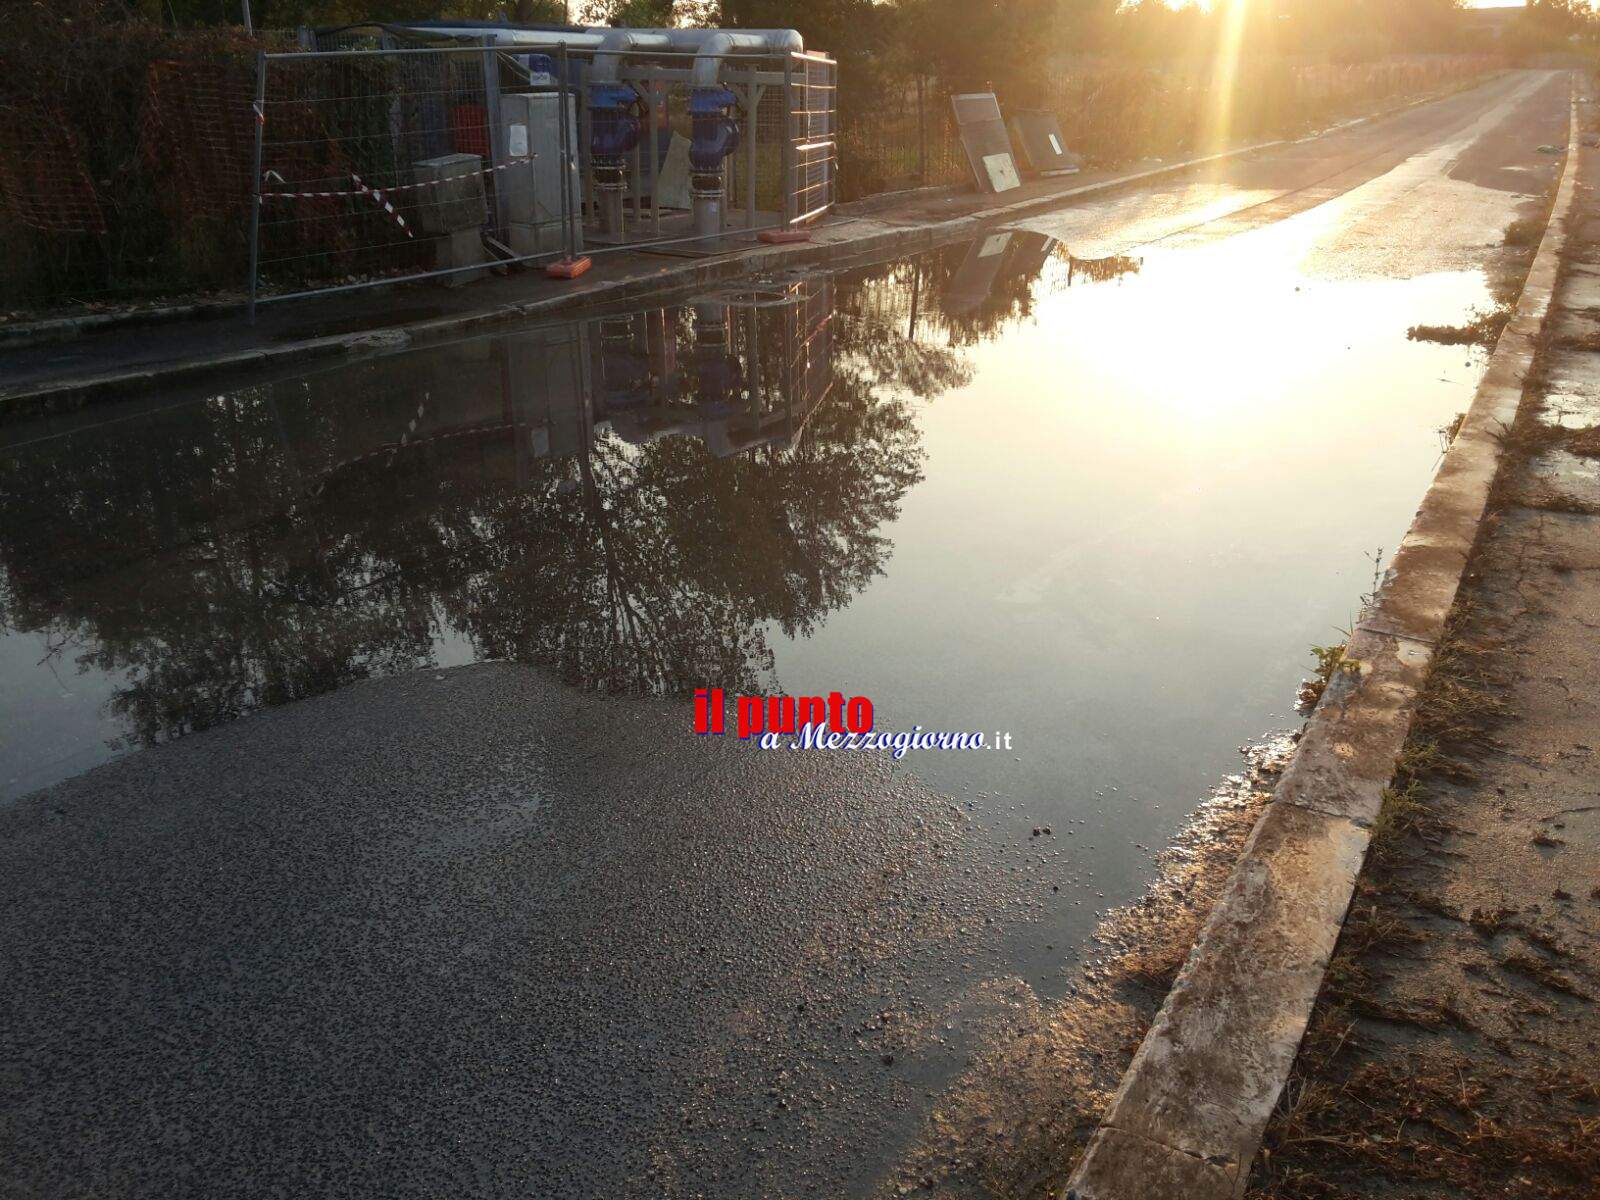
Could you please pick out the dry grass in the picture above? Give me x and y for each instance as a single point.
(1401, 813)
(1419, 1122)
(1535, 968)
(1490, 921)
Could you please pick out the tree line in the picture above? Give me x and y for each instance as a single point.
(970, 43)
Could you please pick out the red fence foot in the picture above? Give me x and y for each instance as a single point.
(569, 268)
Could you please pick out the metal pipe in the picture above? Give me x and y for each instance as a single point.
(255, 179)
(618, 42)
(654, 159)
(636, 178)
(496, 147)
(708, 205)
(566, 161)
(752, 94)
(713, 45)
(786, 145)
(708, 45)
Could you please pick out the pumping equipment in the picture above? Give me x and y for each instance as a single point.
(630, 161)
(614, 117)
(614, 132)
(716, 135)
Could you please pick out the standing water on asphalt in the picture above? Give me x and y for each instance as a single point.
(1105, 506)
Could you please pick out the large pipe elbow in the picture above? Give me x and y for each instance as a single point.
(712, 47)
(617, 42)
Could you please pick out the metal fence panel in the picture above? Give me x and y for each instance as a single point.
(373, 163)
(814, 117)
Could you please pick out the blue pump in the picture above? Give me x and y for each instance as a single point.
(614, 120)
(714, 132)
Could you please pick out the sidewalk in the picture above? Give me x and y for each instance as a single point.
(1455, 1050)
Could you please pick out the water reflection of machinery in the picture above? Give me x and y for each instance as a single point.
(330, 525)
(756, 364)
(737, 371)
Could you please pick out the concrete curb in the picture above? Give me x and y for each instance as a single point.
(1188, 1117)
(50, 331)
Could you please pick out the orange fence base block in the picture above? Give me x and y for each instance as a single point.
(569, 268)
(778, 237)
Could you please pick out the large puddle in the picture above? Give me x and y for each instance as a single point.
(1105, 506)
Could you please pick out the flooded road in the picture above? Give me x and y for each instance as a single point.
(1098, 481)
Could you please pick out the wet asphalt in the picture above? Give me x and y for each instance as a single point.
(472, 933)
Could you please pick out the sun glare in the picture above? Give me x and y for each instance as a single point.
(1219, 126)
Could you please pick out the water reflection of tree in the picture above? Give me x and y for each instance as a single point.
(282, 541)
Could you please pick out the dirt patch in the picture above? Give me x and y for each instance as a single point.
(1440, 1061)
(1585, 443)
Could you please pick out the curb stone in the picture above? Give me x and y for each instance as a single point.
(1190, 1112)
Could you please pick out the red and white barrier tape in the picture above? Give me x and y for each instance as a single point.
(402, 187)
(378, 198)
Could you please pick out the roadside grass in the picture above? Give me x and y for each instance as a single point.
(1330, 660)
(1460, 703)
(1422, 1122)
(1401, 812)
